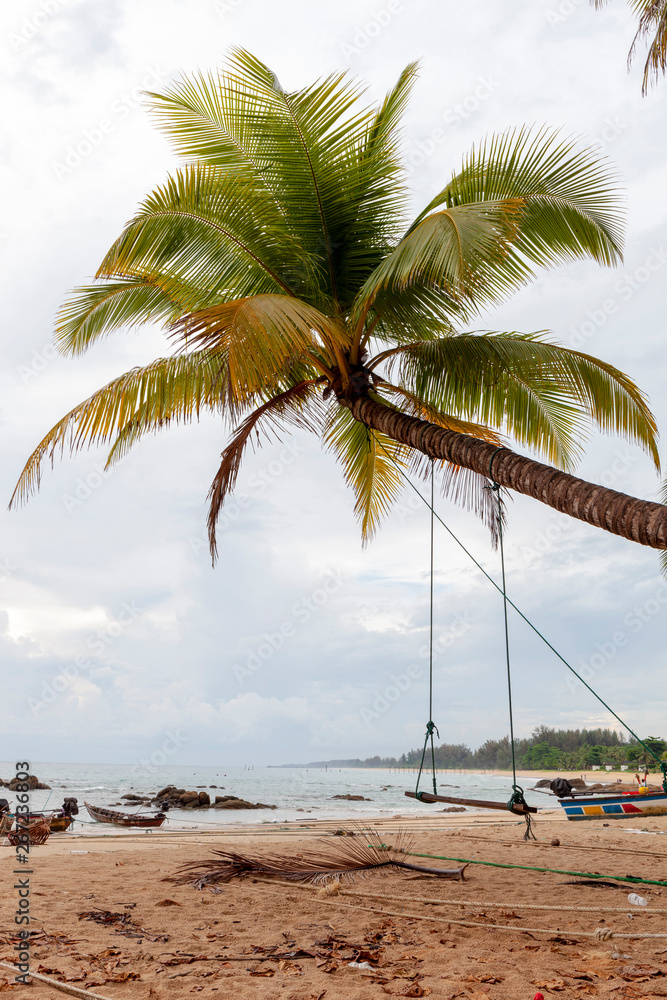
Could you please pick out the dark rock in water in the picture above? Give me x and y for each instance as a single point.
(542, 783)
(454, 809)
(352, 798)
(131, 797)
(187, 798)
(577, 782)
(32, 782)
(204, 799)
(232, 802)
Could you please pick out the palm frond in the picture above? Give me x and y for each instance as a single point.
(213, 230)
(569, 205)
(652, 25)
(296, 406)
(169, 390)
(371, 464)
(460, 250)
(94, 311)
(542, 394)
(343, 861)
(262, 335)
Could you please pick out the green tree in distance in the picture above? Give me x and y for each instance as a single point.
(281, 260)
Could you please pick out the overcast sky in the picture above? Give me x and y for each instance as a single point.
(116, 635)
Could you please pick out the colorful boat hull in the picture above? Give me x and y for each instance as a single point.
(615, 806)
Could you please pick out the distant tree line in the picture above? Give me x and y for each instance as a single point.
(546, 750)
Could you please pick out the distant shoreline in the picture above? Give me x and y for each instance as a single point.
(588, 775)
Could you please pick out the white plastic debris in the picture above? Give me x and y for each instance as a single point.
(359, 965)
(637, 900)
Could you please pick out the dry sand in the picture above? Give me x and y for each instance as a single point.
(175, 941)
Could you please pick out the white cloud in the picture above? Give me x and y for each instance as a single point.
(137, 536)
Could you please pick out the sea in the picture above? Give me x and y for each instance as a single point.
(299, 793)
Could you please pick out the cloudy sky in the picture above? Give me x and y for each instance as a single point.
(115, 632)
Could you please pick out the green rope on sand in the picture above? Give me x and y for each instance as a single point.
(533, 868)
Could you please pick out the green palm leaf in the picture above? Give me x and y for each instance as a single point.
(169, 390)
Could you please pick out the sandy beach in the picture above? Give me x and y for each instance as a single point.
(503, 933)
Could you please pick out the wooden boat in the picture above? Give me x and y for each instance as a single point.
(6, 823)
(615, 806)
(60, 823)
(124, 819)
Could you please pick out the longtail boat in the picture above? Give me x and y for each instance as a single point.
(124, 819)
(615, 806)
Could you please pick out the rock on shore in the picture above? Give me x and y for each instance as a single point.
(181, 798)
(32, 782)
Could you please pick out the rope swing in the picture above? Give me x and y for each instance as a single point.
(430, 725)
(517, 798)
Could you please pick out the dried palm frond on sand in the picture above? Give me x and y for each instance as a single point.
(342, 861)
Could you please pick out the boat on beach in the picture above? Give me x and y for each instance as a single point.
(614, 806)
(124, 819)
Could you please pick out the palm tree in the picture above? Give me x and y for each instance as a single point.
(652, 25)
(281, 263)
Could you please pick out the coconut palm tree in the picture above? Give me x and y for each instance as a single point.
(652, 25)
(280, 261)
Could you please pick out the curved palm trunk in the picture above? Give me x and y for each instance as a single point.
(638, 520)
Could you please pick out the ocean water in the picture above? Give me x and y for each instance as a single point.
(298, 793)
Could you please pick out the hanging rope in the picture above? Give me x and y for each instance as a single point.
(430, 725)
(661, 764)
(517, 797)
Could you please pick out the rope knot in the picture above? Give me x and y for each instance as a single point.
(432, 728)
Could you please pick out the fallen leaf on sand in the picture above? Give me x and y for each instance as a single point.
(265, 973)
(290, 968)
(484, 978)
(6, 985)
(168, 902)
(414, 990)
(328, 966)
(550, 984)
(639, 972)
